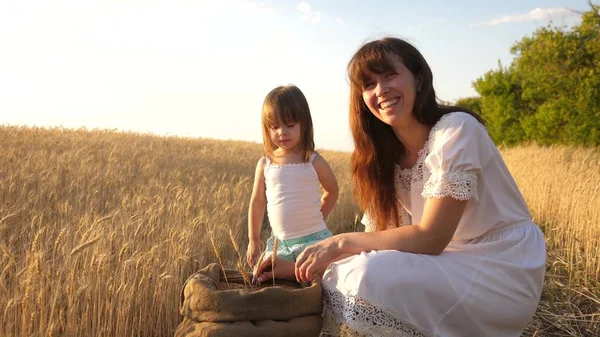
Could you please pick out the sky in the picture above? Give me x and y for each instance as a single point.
(202, 68)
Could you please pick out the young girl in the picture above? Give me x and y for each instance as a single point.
(287, 180)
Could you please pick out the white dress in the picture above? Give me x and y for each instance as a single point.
(487, 282)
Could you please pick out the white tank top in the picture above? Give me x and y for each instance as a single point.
(293, 199)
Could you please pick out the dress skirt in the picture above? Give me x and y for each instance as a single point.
(488, 286)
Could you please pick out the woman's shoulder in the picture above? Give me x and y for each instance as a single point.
(455, 124)
(459, 137)
(456, 119)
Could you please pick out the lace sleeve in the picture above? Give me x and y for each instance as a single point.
(459, 149)
(460, 185)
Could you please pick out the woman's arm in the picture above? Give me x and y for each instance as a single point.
(440, 219)
(329, 184)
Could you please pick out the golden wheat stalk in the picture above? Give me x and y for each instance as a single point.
(273, 256)
(83, 246)
(257, 264)
(239, 264)
(217, 254)
(6, 217)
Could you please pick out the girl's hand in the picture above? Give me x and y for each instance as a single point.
(255, 248)
(284, 269)
(313, 261)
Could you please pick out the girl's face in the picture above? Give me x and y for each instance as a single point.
(390, 96)
(286, 136)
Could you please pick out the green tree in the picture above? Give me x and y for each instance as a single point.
(551, 91)
(501, 105)
(471, 103)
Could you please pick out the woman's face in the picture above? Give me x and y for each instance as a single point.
(390, 96)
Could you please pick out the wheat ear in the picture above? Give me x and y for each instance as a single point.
(212, 242)
(240, 265)
(83, 246)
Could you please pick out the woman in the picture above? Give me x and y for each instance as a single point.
(449, 247)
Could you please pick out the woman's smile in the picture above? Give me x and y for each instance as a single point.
(388, 105)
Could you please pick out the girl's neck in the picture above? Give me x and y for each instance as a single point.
(284, 152)
(282, 156)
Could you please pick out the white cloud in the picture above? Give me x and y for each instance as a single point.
(307, 13)
(340, 21)
(534, 15)
(219, 7)
(236, 5)
(317, 17)
(262, 8)
(304, 7)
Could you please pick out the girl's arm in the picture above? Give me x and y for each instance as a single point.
(256, 212)
(329, 184)
(440, 220)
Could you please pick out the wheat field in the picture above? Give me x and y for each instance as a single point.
(99, 229)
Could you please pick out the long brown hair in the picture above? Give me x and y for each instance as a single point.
(377, 149)
(284, 105)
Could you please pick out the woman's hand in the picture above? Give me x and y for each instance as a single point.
(313, 261)
(255, 247)
(284, 269)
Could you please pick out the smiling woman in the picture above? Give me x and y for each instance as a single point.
(390, 94)
(449, 248)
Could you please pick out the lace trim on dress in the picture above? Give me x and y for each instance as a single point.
(405, 220)
(369, 226)
(276, 165)
(460, 185)
(354, 317)
(403, 178)
(408, 179)
(279, 166)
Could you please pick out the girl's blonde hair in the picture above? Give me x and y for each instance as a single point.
(284, 105)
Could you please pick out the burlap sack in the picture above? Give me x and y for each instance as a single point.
(271, 311)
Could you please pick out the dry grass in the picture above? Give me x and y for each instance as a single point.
(561, 186)
(99, 230)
